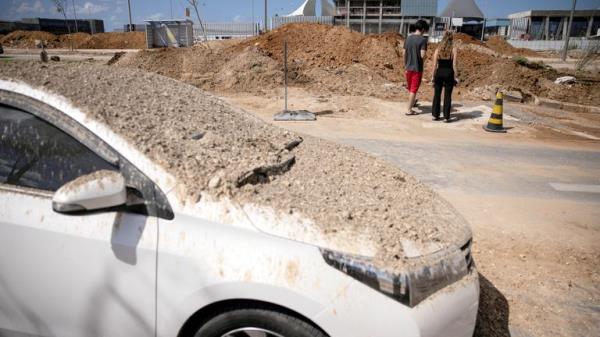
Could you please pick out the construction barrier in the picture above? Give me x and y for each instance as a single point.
(495, 123)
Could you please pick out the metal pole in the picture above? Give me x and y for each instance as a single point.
(285, 71)
(570, 23)
(130, 22)
(483, 30)
(171, 5)
(75, 16)
(266, 28)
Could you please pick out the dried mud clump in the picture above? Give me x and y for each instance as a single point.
(215, 149)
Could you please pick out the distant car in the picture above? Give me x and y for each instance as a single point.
(93, 242)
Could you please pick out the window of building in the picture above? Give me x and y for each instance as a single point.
(35, 154)
(579, 27)
(555, 29)
(596, 26)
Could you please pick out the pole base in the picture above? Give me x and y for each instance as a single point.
(503, 130)
(295, 116)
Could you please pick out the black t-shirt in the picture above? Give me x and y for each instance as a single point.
(412, 52)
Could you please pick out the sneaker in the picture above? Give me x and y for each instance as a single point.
(436, 119)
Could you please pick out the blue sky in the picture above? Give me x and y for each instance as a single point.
(114, 12)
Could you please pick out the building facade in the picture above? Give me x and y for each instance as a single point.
(552, 25)
(380, 16)
(59, 26)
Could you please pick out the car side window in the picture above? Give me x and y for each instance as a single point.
(36, 154)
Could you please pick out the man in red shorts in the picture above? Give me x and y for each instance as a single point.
(415, 48)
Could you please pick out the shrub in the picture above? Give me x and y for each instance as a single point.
(521, 60)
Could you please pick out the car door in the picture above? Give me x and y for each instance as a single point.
(68, 274)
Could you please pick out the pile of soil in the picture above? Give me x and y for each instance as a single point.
(27, 39)
(499, 45)
(320, 46)
(332, 59)
(467, 39)
(215, 149)
(115, 40)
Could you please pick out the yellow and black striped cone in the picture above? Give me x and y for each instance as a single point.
(495, 122)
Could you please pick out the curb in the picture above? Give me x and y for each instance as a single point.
(566, 106)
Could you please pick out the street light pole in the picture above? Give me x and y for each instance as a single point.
(569, 24)
(130, 22)
(75, 17)
(266, 17)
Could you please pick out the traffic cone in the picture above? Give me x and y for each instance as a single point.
(495, 122)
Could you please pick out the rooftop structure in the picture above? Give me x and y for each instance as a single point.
(463, 16)
(462, 9)
(308, 8)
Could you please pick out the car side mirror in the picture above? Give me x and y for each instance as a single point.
(95, 191)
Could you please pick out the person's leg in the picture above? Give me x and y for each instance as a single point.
(413, 81)
(448, 87)
(437, 97)
(411, 103)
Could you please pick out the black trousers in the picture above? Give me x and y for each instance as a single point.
(443, 79)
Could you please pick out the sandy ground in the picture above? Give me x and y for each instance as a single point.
(536, 244)
(100, 56)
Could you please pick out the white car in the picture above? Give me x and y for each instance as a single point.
(106, 248)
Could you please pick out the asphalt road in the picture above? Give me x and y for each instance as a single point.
(509, 170)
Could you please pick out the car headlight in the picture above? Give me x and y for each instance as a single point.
(423, 277)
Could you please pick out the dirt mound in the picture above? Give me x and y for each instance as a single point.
(466, 39)
(319, 46)
(27, 39)
(331, 59)
(215, 150)
(115, 40)
(499, 45)
(344, 62)
(77, 38)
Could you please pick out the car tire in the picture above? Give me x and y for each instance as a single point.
(274, 323)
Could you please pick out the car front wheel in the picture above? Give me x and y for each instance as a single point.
(257, 323)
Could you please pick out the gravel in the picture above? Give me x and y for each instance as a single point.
(219, 150)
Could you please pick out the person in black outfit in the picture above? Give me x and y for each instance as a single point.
(445, 76)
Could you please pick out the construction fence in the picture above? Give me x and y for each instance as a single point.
(226, 30)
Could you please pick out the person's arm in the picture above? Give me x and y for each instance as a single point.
(424, 50)
(435, 64)
(455, 63)
(404, 51)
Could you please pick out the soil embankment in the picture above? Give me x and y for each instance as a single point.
(113, 40)
(333, 60)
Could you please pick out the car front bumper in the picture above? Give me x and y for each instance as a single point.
(359, 311)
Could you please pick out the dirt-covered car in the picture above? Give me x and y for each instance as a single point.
(135, 205)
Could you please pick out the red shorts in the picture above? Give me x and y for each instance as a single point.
(413, 80)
